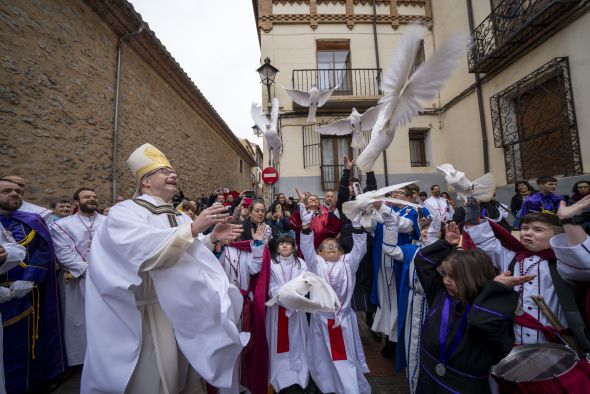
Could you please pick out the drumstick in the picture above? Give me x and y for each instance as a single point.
(555, 323)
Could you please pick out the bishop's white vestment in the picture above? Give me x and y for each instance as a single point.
(336, 361)
(72, 238)
(158, 306)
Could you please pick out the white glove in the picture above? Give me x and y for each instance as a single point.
(5, 294)
(390, 219)
(356, 221)
(21, 288)
(390, 229)
(15, 254)
(305, 215)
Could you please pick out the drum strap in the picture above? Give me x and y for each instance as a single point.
(567, 301)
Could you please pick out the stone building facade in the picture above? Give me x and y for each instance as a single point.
(58, 73)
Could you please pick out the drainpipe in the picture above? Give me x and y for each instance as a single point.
(114, 173)
(386, 174)
(482, 120)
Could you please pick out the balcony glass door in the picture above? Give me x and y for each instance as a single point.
(333, 63)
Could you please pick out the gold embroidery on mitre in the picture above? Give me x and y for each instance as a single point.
(157, 160)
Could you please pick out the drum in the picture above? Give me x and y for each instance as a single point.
(542, 368)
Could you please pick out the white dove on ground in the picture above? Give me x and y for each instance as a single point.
(269, 127)
(322, 297)
(363, 204)
(354, 124)
(313, 99)
(403, 90)
(482, 189)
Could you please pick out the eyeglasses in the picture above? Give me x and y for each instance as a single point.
(166, 172)
(330, 245)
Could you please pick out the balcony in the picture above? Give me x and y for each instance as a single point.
(515, 27)
(356, 86)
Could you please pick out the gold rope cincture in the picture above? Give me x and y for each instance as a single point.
(36, 317)
(24, 242)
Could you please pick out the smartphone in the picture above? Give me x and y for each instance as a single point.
(249, 194)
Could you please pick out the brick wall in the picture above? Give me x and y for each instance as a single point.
(57, 100)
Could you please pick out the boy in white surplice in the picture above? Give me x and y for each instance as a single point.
(336, 358)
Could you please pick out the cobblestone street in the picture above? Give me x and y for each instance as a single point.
(382, 378)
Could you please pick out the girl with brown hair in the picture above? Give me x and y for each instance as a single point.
(470, 326)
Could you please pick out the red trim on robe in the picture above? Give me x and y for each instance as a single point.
(282, 331)
(337, 347)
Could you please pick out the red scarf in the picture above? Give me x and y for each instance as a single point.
(509, 242)
(255, 359)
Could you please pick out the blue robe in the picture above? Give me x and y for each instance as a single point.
(402, 304)
(33, 335)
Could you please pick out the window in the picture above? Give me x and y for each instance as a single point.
(241, 166)
(534, 121)
(311, 147)
(333, 59)
(418, 157)
(333, 151)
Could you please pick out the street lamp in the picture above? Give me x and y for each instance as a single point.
(256, 130)
(267, 74)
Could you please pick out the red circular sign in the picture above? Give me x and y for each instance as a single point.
(270, 176)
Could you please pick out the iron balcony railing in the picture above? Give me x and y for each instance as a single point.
(515, 27)
(350, 81)
(331, 175)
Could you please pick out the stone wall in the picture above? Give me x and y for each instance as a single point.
(57, 102)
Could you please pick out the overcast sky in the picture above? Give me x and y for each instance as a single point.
(216, 44)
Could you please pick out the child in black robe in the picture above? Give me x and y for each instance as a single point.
(470, 326)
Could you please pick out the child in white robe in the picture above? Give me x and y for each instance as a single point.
(238, 265)
(286, 329)
(335, 359)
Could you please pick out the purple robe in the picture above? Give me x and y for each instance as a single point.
(33, 337)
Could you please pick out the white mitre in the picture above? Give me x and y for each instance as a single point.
(145, 160)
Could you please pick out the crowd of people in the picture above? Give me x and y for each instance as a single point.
(161, 293)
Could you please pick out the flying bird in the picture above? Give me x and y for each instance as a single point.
(314, 98)
(404, 90)
(269, 127)
(354, 124)
(482, 189)
(322, 297)
(362, 208)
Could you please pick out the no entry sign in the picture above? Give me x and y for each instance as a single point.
(270, 176)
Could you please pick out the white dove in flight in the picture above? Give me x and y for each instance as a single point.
(482, 189)
(322, 297)
(354, 124)
(313, 99)
(269, 127)
(403, 90)
(362, 205)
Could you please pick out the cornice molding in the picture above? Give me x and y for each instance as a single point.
(287, 19)
(266, 18)
(121, 18)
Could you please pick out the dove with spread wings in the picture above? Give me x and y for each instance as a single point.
(404, 89)
(269, 127)
(354, 124)
(362, 208)
(314, 98)
(482, 189)
(292, 295)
